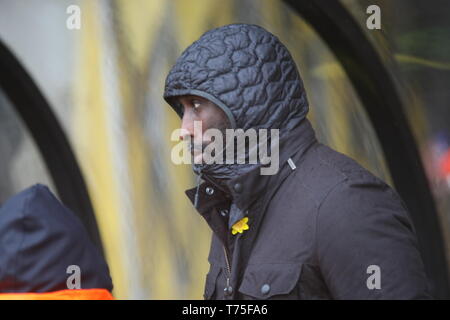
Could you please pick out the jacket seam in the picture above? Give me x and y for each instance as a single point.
(330, 191)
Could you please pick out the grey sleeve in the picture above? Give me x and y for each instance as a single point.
(366, 244)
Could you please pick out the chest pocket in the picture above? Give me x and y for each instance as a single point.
(271, 281)
(210, 284)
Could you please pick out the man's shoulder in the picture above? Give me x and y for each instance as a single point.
(325, 170)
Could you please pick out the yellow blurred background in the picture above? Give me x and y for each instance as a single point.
(105, 83)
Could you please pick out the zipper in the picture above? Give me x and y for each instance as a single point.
(228, 289)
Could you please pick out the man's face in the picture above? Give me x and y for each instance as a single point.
(207, 113)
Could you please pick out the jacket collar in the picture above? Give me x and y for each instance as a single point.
(245, 189)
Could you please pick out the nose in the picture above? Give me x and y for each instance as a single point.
(187, 126)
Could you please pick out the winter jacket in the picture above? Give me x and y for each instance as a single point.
(42, 245)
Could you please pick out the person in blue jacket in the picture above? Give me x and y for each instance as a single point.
(46, 253)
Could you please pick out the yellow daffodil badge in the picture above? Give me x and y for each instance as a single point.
(240, 226)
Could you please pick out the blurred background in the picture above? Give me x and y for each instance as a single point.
(103, 86)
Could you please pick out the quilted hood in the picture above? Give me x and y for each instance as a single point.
(39, 239)
(248, 73)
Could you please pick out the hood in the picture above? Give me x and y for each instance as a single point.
(39, 239)
(248, 73)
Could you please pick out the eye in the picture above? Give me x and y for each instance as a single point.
(196, 104)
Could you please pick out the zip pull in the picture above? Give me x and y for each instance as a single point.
(228, 291)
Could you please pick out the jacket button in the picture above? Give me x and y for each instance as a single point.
(224, 212)
(238, 187)
(265, 289)
(228, 290)
(209, 191)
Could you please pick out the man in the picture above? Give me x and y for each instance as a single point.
(322, 227)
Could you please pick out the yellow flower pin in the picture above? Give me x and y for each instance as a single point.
(240, 226)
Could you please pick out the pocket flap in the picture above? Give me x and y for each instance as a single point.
(263, 281)
(211, 278)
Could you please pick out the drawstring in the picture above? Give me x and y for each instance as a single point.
(196, 191)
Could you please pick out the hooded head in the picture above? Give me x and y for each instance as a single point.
(249, 74)
(42, 243)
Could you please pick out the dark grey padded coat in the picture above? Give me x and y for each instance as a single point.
(327, 229)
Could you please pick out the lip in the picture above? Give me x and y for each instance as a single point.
(196, 151)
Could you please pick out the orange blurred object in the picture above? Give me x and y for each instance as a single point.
(69, 294)
(445, 163)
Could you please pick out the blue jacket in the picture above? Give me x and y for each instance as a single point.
(39, 239)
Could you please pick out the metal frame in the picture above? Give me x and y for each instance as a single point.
(376, 89)
(50, 139)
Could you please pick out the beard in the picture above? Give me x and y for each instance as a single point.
(197, 148)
